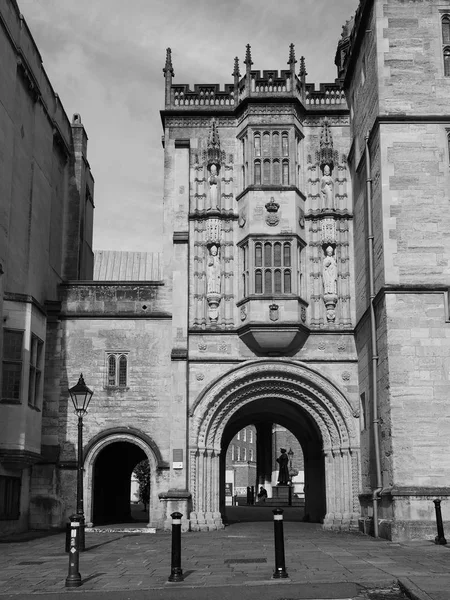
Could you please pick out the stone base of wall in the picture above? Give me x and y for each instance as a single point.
(341, 522)
(206, 521)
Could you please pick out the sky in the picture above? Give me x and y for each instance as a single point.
(104, 59)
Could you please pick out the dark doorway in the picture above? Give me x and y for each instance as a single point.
(300, 424)
(112, 482)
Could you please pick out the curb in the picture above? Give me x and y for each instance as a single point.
(412, 590)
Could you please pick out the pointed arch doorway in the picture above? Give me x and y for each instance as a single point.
(308, 404)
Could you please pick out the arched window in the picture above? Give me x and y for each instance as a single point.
(275, 144)
(285, 144)
(266, 172)
(446, 29)
(244, 284)
(277, 254)
(117, 370)
(258, 255)
(447, 61)
(258, 282)
(285, 172)
(257, 144)
(122, 371)
(257, 172)
(287, 281)
(277, 282)
(267, 254)
(287, 254)
(266, 144)
(267, 281)
(276, 178)
(112, 370)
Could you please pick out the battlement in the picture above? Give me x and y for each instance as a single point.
(254, 84)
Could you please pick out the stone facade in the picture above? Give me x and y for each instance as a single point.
(303, 282)
(46, 213)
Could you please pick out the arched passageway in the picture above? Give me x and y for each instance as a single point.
(295, 396)
(109, 460)
(112, 482)
(302, 426)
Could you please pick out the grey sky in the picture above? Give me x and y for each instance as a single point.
(104, 59)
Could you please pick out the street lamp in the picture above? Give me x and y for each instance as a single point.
(80, 395)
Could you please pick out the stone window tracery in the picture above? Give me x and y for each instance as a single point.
(117, 370)
(271, 158)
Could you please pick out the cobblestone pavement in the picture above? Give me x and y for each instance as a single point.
(241, 555)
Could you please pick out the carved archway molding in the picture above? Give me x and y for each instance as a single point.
(302, 386)
(111, 436)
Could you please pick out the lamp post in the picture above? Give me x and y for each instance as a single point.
(80, 395)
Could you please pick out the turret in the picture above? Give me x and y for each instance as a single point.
(291, 62)
(248, 67)
(236, 76)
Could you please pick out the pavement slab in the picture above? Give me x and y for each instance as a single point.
(241, 555)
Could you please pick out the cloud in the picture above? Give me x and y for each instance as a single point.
(105, 57)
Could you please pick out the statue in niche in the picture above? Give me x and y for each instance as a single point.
(214, 194)
(329, 272)
(213, 286)
(327, 189)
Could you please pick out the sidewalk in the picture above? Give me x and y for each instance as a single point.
(334, 565)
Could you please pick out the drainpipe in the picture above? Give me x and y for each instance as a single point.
(376, 496)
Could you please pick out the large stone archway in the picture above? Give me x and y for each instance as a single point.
(300, 385)
(101, 442)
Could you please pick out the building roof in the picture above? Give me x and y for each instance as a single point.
(112, 265)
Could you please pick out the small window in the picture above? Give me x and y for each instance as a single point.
(245, 435)
(232, 451)
(117, 370)
(266, 144)
(268, 281)
(34, 383)
(285, 173)
(257, 173)
(277, 254)
(9, 498)
(275, 144)
(267, 254)
(258, 282)
(258, 255)
(447, 61)
(12, 365)
(446, 29)
(285, 144)
(277, 282)
(244, 453)
(251, 455)
(287, 254)
(257, 145)
(251, 436)
(238, 453)
(287, 281)
(266, 172)
(276, 172)
(238, 437)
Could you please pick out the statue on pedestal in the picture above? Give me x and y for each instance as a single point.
(213, 181)
(213, 295)
(283, 472)
(327, 189)
(329, 276)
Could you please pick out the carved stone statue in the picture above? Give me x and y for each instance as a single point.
(329, 276)
(329, 272)
(283, 471)
(213, 181)
(327, 189)
(213, 286)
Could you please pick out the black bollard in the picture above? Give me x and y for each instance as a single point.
(73, 578)
(280, 565)
(439, 539)
(176, 573)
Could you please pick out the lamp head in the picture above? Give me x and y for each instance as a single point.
(80, 395)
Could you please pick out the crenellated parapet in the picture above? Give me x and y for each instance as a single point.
(254, 84)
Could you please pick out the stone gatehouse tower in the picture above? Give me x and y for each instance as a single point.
(303, 281)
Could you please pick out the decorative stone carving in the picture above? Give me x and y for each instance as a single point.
(213, 233)
(200, 376)
(329, 276)
(213, 294)
(345, 376)
(303, 314)
(243, 312)
(202, 346)
(273, 312)
(328, 232)
(214, 188)
(327, 189)
(242, 218)
(272, 218)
